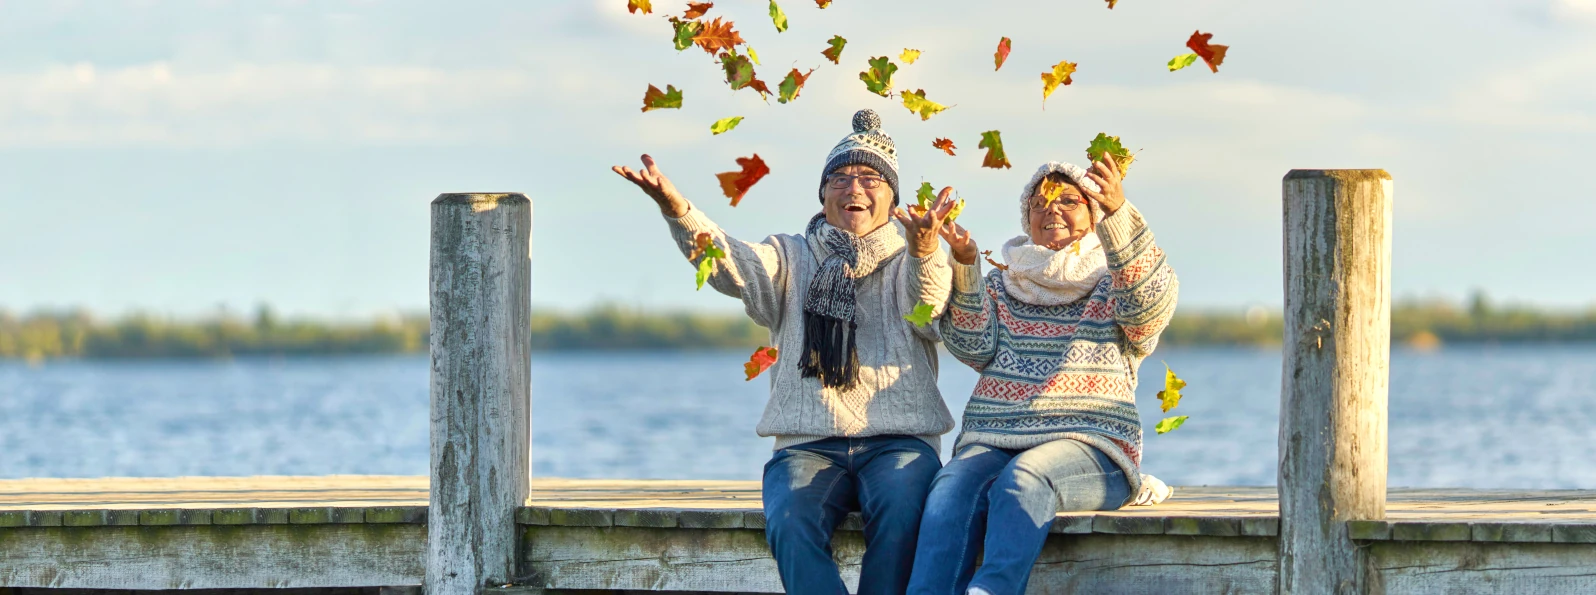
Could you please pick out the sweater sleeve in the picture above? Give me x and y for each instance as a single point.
(751, 272)
(1144, 286)
(927, 282)
(970, 328)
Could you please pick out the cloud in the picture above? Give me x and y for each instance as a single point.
(1574, 10)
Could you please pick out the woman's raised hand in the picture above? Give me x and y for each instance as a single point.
(656, 185)
(1108, 177)
(959, 240)
(923, 229)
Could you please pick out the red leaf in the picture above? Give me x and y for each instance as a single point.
(1212, 54)
(735, 184)
(1002, 53)
(944, 144)
(823, 3)
(697, 9)
(761, 360)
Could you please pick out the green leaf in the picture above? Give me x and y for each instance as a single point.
(926, 195)
(879, 78)
(790, 86)
(1182, 61)
(953, 213)
(685, 30)
(739, 71)
(1169, 424)
(707, 265)
(1110, 145)
(917, 103)
(653, 99)
(992, 141)
(834, 52)
(778, 17)
(725, 124)
(921, 315)
(1169, 398)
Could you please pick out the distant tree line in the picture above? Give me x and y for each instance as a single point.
(48, 335)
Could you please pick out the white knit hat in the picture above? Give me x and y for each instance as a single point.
(1070, 170)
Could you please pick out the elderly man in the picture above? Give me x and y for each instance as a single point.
(853, 403)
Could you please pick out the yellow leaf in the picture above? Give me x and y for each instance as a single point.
(909, 56)
(917, 103)
(1169, 398)
(1060, 76)
(1076, 247)
(633, 6)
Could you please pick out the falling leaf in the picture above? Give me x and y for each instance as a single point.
(1169, 398)
(1109, 145)
(725, 124)
(879, 78)
(761, 360)
(735, 184)
(685, 32)
(917, 103)
(792, 85)
(909, 56)
(704, 246)
(1076, 248)
(697, 9)
(1004, 45)
(753, 55)
(925, 195)
(740, 73)
(944, 144)
(1169, 424)
(1181, 61)
(1050, 190)
(823, 3)
(1111, 4)
(654, 99)
(992, 141)
(717, 36)
(953, 213)
(1060, 76)
(778, 17)
(834, 52)
(632, 6)
(988, 255)
(921, 315)
(1212, 54)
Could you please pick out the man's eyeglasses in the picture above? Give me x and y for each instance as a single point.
(1068, 203)
(868, 181)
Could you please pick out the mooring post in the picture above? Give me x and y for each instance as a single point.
(481, 396)
(1336, 374)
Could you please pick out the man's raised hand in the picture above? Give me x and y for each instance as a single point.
(656, 185)
(923, 229)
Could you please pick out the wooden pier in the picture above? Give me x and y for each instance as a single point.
(480, 523)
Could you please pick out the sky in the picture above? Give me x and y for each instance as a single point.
(186, 156)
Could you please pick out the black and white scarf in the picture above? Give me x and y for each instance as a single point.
(830, 351)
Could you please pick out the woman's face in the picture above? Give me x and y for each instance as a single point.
(1062, 221)
(858, 199)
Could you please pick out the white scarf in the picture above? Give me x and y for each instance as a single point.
(1041, 276)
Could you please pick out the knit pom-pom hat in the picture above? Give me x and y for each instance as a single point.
(868, 145)
(1076, 175)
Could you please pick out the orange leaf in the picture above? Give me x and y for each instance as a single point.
(717, 36)
(945, 144)
(653, 98)
(988, 255)
(835, 51)
(735, 184)
(632, 6)
(761, 360)
(697, 9)
(823, 3)
(1111, 4)
(1212, 54)
(1002, 54)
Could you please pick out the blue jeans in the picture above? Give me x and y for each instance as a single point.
(810, 488)
(1008, 499)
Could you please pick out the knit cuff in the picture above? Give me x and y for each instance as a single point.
(967, 277)
(686, 227)
(1117, 231)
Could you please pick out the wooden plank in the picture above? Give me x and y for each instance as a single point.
(396, 514)
(1421, 531)
(1510, 532)
(1457, 568)
(1208, 526)
(648, 517)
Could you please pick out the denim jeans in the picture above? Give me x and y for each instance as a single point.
(1006, 499)
(810, 488)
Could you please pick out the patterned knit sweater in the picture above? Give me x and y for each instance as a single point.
(1068, 371)
(897, 389)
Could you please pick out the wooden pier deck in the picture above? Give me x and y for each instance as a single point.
(706, 536)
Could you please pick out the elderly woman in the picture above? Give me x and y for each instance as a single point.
(1057, 336)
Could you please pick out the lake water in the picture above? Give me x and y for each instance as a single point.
(1486, 417)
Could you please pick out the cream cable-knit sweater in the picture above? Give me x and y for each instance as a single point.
(897, 388)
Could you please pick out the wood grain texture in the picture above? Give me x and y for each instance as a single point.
(481, 350)
(1335, 377)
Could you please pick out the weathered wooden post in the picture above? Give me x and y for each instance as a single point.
(481, 397)
(1336, 374)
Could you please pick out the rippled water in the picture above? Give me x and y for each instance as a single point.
(1489, 417)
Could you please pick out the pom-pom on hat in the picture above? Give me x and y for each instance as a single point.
(868, 145)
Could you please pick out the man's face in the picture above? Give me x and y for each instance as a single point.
(852, 204)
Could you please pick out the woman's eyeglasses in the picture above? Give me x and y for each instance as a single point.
(868, 181)
(1068, 203)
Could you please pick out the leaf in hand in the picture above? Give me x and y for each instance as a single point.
(1060, 76)
(921, 315)
(925, 195)
(791, 85)
(778, 17)
(1212, 54)
(685, 32)
(1169, 424)
(992, 141)
(697, 9)
(735, 184)
(1181, 61)
(717, 36)
(953, 213)
(909, 56)
(944, 144)
(1104, 144)
(879, 78)
(987, 254)
(670, 99)
(761, 360)
(834, 52)
(917, 103)
(725, 124)
(1169, 398)
(632, 6)
(1004, 45)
